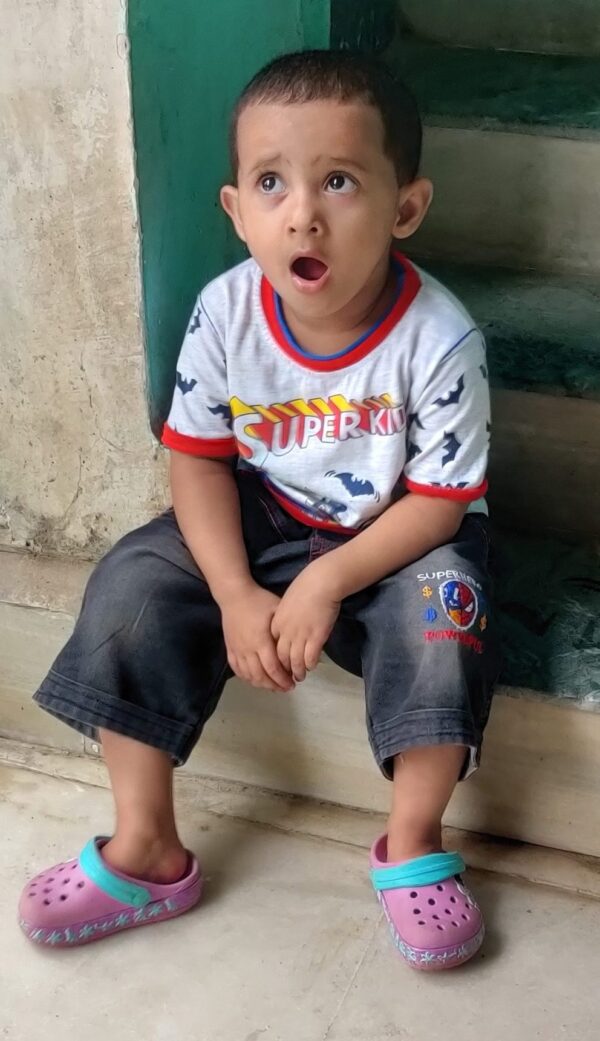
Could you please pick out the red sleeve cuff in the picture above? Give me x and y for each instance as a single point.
(210, 447)
(437, 491)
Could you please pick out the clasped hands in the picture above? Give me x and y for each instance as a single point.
(272, 641)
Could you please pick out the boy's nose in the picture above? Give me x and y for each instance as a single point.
(304, 218)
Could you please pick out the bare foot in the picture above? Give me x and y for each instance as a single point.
(153, 860)
(408, 840)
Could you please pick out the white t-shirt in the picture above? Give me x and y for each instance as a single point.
(336, 439)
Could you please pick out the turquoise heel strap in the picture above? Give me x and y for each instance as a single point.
(424, 871)
(99, 873)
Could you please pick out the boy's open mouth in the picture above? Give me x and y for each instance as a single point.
(309, 269)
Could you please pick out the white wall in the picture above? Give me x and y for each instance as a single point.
(76, 455)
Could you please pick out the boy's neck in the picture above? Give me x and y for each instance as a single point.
(329, 335)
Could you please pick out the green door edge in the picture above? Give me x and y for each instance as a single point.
(189, 61)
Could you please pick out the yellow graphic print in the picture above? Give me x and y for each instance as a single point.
(278, 428)
(427, 592)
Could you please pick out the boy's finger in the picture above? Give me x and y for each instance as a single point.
(283, 653)
(260, 678)
(274, 668)
(256, 673)
(312, 654)
(233, 664)
(297, 662)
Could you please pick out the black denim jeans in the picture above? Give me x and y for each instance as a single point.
(147, 657)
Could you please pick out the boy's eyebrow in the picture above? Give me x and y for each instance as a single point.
(269, 160)
(336, 160)
(345, 161)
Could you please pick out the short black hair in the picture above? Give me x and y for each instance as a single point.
(341, 76)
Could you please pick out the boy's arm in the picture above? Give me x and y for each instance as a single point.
(448, 439)
(207, 507)
(405, 532)
(205, 498)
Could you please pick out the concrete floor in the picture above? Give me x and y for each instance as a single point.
(288, 945)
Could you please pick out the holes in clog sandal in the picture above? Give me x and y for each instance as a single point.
(47, 903)
(431, 902)
(416, 911)
(440, 889)
(421, 922)
(63, 897)
(414, 895)
(80, 885)
(441, 928)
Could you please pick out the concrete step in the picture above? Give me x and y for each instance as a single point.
(458, 86)
(544, 464)
(512, 200)
(512, 144)
(546, 26)
(542, 331)
(548, 601)
(542, 758)
(293, 815)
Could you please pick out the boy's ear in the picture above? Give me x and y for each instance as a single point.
(230, 201)
(414, 200)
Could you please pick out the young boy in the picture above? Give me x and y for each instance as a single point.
(329, 434)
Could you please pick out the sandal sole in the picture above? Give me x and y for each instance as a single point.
(423, 960)
(79, 936)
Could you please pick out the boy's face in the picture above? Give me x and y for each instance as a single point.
(318, 200)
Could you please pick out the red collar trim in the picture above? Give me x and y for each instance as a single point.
(410, 287)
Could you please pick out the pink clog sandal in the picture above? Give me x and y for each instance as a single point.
(84, 900)
(434, 920)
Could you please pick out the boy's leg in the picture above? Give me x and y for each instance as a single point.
(143, 671)
(429, 661)
(145, 843)
(146, 664)
(147, 659)
(424, 779)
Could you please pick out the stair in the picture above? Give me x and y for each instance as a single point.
(543, 26)
(542, 330)
(511, 105)
(543, 340)
(510, 97)
(492, 90)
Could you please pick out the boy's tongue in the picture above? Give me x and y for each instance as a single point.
(309, 268)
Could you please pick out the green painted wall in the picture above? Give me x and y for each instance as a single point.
(366, 26)
(189, 60)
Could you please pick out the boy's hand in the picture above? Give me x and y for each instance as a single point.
(251, 650)
(302, 623)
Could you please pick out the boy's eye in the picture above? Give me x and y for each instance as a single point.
(340, 184)
(271, 184)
